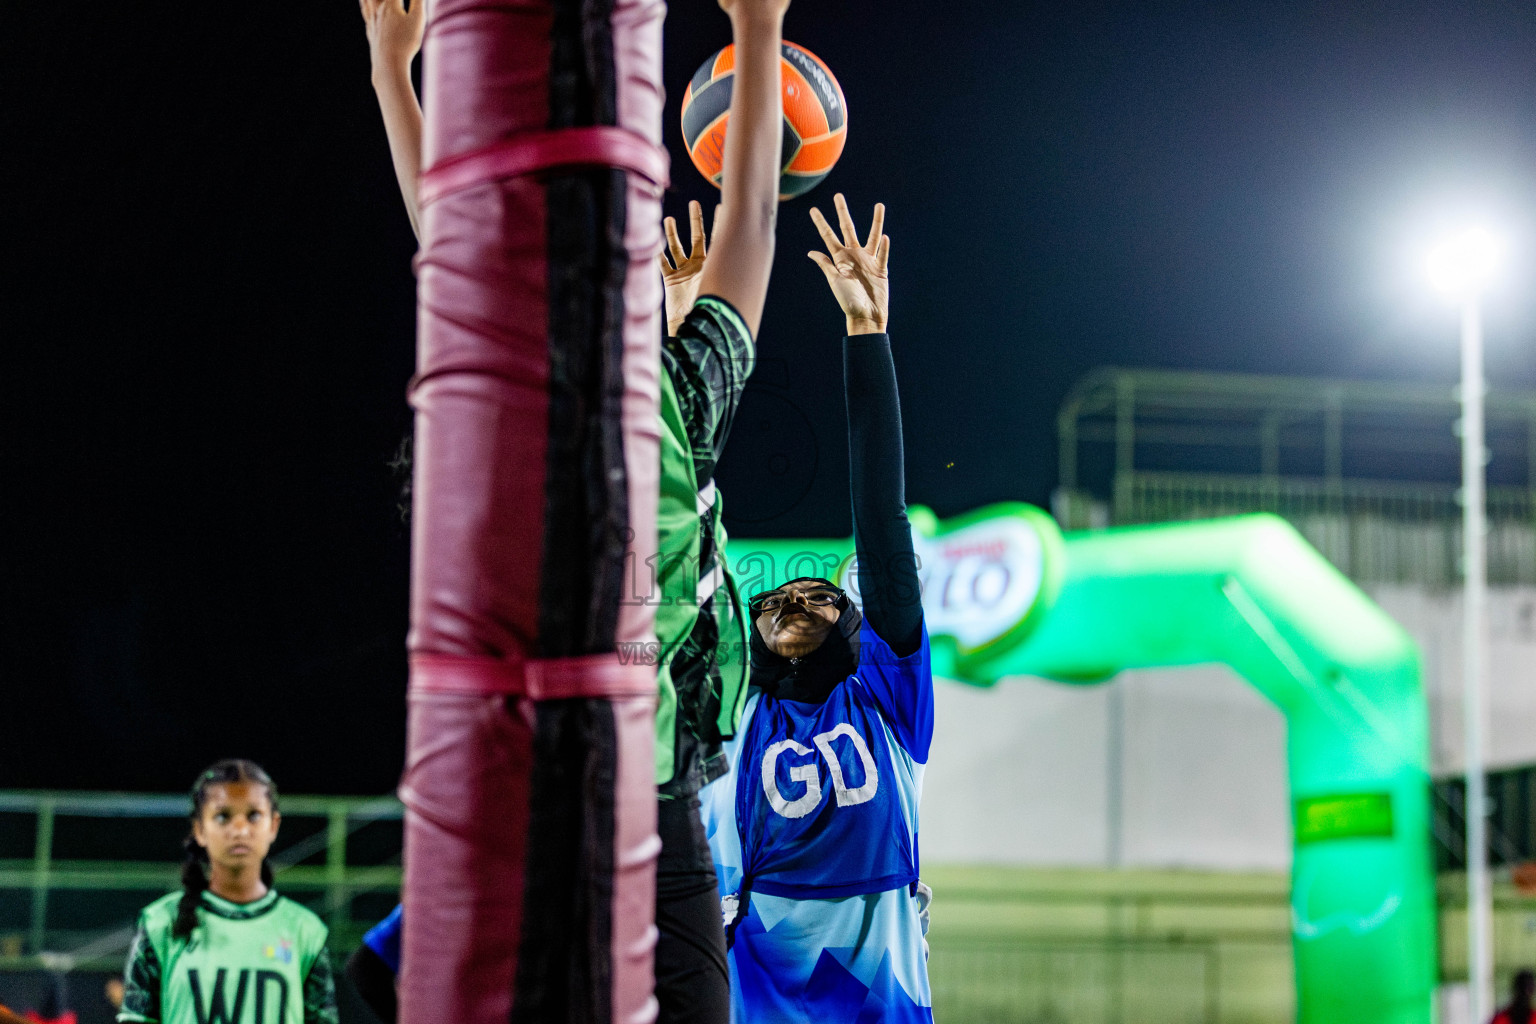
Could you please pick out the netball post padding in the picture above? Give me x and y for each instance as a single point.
(529, 782)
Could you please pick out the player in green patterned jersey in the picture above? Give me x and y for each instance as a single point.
(228, 949)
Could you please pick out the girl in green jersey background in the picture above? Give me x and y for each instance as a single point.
(227, 948)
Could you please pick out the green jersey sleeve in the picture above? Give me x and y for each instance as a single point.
(698, 626)
(708, 363)
(320, 992)
(141, 980)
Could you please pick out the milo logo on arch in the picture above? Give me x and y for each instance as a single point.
(985, 576)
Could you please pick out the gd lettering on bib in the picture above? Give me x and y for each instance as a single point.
(825, 796)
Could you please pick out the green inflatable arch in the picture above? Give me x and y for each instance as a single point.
(1006, 594)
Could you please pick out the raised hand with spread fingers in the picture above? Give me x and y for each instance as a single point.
(857, 273)
(394, 32)
(682, 273)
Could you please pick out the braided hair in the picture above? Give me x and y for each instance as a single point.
(194, 869)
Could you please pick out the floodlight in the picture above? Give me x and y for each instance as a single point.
(1465, 263)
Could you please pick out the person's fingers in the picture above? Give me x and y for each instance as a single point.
(824, 230)
(876, 228)
(367, 7)
(883, 253)
(674, 243)
(714, 225)
(418, 11)
(695, 228)
(845, 221)
(825, 263)
(666, 265)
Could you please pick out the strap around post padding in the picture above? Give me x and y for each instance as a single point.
(527, 152)
(592, 675)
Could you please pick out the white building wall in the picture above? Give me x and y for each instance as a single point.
(1433, 617)
(1016, 775)
(1203, 772)
(1024, 772)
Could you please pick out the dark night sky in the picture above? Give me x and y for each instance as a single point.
(208, 308)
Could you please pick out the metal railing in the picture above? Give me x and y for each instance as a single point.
(1373, 531)
(1511, 819)
(1366, 471)
(1014, 945)
(310, 859)
(1278, 426)
(1069, 979)
(1049, 946)
(1042, 945)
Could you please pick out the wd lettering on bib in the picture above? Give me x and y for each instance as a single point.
(216, 1011)
(270, 997)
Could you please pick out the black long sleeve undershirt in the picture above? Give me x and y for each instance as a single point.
(887, 564)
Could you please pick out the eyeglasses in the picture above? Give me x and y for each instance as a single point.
(776, 599)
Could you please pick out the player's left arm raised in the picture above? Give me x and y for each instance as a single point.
(858, 274)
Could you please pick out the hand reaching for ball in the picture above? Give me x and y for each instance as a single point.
(682, 273)
(856, 273)
(394, 32)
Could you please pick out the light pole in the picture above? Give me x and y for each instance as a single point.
(1463, 267)
(1474, 645)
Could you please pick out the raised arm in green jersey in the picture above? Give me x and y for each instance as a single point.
(701, 672)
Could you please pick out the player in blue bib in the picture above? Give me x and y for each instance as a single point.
(814, 831)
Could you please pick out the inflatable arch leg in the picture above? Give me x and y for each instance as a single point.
(1249, 593)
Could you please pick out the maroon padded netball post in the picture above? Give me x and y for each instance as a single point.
(529, 784)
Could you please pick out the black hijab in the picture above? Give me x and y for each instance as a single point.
(810, 678)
